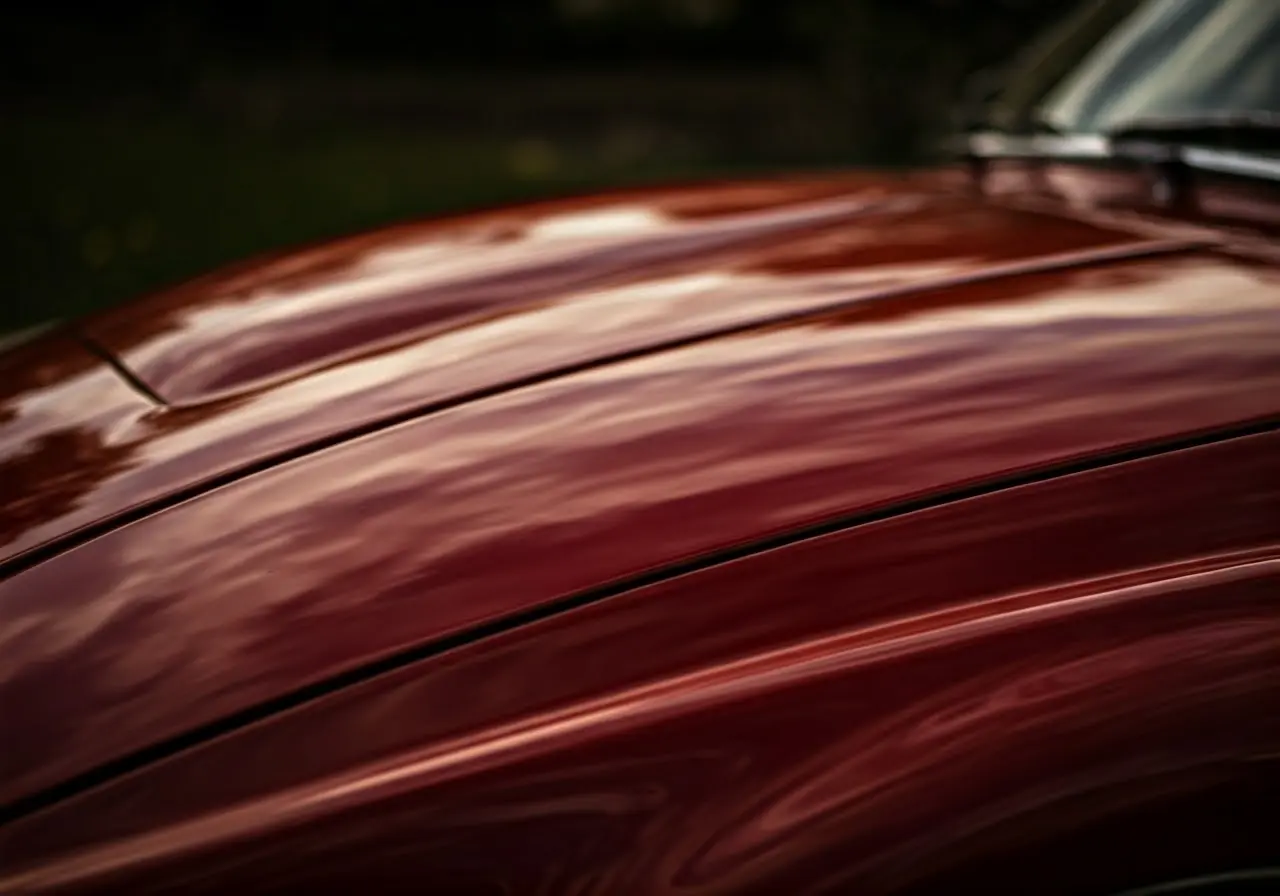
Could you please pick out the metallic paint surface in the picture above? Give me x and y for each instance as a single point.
(671, 268)
(683, 374)
(899, 676)
(445, 523)
(60, 410)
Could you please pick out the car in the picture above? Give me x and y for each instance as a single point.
(863, 532)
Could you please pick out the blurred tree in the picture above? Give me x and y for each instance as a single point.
(897, 65)
(694, 13)
(900, 65)
(148, 141)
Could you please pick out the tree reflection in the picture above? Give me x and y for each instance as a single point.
(53, 475)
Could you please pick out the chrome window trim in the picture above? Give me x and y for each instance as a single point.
(995, 145)
(992, 144)
(1225, 161)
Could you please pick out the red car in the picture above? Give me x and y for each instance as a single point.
(873, 534)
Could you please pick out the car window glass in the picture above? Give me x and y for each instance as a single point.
(1175, 58)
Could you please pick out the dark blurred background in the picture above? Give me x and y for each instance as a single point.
(147, 143)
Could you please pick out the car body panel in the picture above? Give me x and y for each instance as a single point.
(741, 256)
(443, 524)
(262, 324)
(957, 684)
(59, 405)
(885, 533)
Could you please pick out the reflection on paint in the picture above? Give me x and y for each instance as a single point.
(444, 523)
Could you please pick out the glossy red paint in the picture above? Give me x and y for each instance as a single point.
(365, 453)
(727, 264)
(61, 408)
(1101, 548)
(920, 685)
(443, 523)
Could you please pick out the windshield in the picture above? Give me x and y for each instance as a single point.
(1172, 59)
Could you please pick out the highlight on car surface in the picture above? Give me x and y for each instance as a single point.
(875, 533)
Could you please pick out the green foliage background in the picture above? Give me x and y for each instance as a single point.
(145, 145)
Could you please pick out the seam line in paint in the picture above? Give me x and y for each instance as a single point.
(134, 381)
(192, 738)
(59, 544)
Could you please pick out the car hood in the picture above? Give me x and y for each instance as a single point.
(283, 355)
(261, 491)
(588, 277)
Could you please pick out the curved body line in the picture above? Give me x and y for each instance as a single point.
(1049, 263)
(782, 668)
(386, 664)
(135, 382)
